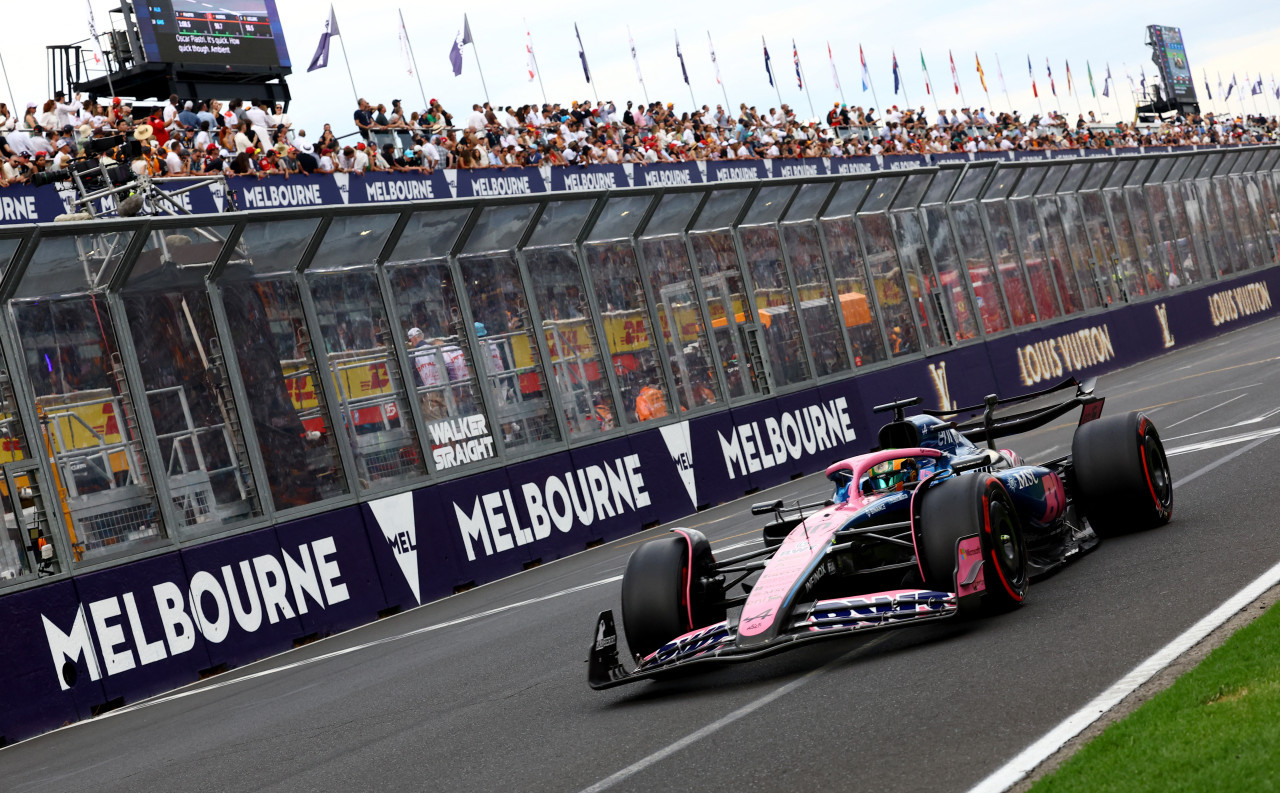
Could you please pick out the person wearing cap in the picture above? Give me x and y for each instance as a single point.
(360, 160)
(429, 373)
(214, 161)
(187, 115)
(281, 122)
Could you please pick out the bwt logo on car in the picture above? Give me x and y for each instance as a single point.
(796, 432)
(578, 497)
(247, 592)
(288, 195)
(1050, 358)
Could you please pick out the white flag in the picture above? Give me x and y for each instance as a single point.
(834, 74)
(98, 58)
(404, 47)
(634, 57)
(713, 57)
(528, 48)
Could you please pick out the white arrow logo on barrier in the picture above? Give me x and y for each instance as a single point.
(395, 517)
(676, 437)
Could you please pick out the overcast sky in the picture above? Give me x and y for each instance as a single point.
(1241, 40)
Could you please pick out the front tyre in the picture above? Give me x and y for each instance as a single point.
(1121, 474)
(963, 506)
(664, 594)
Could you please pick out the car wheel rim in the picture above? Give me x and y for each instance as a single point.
(1157, 469)
(1005, 545)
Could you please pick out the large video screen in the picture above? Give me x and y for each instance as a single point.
(1171, 56)
(225, 33)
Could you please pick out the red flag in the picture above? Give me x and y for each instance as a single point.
(955, 78)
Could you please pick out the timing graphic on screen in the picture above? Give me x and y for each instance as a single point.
(224, 32)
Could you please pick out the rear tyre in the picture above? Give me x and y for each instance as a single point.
(1121, 474)
(963, 506)
(663, 590)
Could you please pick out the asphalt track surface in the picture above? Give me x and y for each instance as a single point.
(487, 690)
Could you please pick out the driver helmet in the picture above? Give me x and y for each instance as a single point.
(892, 475)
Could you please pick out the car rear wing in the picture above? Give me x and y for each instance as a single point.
(989, 426)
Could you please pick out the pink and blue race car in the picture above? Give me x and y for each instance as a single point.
(925, 527)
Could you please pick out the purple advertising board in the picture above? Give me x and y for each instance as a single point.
(493, 182)
(736, 170)
(572, 178)
(667, 174)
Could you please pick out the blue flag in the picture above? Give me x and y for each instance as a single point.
(455, 54)
(1106, 84)
(1257, 87)
(321, 58)
(582, 53)
(767, 68)
(897, 80)
(1207, 93)
(1230, 86)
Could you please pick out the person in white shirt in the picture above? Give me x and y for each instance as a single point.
(202, 139)
(173, 162)
(257, 116)
(743, 152)
(476, 120)
(281, 118)
(63, 156)
(170, 109)
(361, 160)
(20, 141)
(66, 112)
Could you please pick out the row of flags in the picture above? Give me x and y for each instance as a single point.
(463, 38)
(1255, 87)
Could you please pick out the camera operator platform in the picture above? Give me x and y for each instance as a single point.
(95, 180)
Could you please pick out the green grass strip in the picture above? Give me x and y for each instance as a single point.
(1216, 728)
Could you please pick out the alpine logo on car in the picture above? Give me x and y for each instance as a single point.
(751, 448)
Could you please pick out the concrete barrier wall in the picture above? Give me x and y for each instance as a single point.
(75, 647)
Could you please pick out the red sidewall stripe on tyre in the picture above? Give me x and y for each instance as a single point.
(1146, 469)
(986, 522)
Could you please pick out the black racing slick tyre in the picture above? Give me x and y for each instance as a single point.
(1121, 474)
(663, 594)
(963, 506)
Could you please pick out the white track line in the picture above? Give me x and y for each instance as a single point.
(1201, 413)
(724, 721)
(1030, 758)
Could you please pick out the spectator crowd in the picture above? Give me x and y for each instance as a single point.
(206, 137)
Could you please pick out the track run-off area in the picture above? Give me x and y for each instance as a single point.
(487, 690)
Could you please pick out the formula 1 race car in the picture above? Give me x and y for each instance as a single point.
(927, 526)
